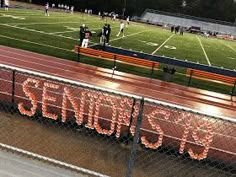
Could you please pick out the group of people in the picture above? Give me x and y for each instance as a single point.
(177, 29)
(88, 11)
(63, 7)
(105, 34)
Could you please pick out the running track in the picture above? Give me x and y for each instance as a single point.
(203, 101)
(172, 93)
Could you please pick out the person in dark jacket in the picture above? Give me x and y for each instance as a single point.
(81, 34)
(108, 33)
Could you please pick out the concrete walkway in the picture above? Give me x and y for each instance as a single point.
(12, 165)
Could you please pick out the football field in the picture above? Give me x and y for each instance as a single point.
(57, 34)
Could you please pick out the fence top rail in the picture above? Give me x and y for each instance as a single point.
(174, 106)
(224, 118)
(69, 81)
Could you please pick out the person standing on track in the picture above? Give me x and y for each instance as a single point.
(122, 26)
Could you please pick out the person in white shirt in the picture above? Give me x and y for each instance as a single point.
(114, 17)
(87, 35)
(72, 9)
(127, 20)
(6, 3)
(122, 26)
(46, 9)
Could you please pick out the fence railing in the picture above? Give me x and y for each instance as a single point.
(111, 132)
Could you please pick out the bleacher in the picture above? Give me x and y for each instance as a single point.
(161, 18)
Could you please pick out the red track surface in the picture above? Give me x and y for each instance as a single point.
(204, 101)
(214, 103)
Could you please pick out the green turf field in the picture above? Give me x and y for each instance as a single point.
(57, 34)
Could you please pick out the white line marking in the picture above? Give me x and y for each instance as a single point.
(44, 23)
(77, 29)
(204, 51)
(230, 47)
(162, 44)
(128, 35)
(42, 32)
(70, 166)
(50, 23)
(231, 58)
(14, 17)
(26, 41)
(61, 32)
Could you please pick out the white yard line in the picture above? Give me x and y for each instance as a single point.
(51, 23)
(61, 32)
(133, 34)
(231, 58)
(44, 23)
(229, 46)
(162, 44)
(44, 45)
(93, 29)
(42, 32)
(208, 61)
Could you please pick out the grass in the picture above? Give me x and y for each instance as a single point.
(57, 34)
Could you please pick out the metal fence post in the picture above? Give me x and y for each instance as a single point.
(232, 92)
(190, 77)
(153, 65)
(114, 65)
(135, 141)
(13, 92)
(78, 54)
(131, 120)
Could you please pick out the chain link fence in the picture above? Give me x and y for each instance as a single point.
(109, 132)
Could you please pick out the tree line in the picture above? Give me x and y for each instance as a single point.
(224, 10)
